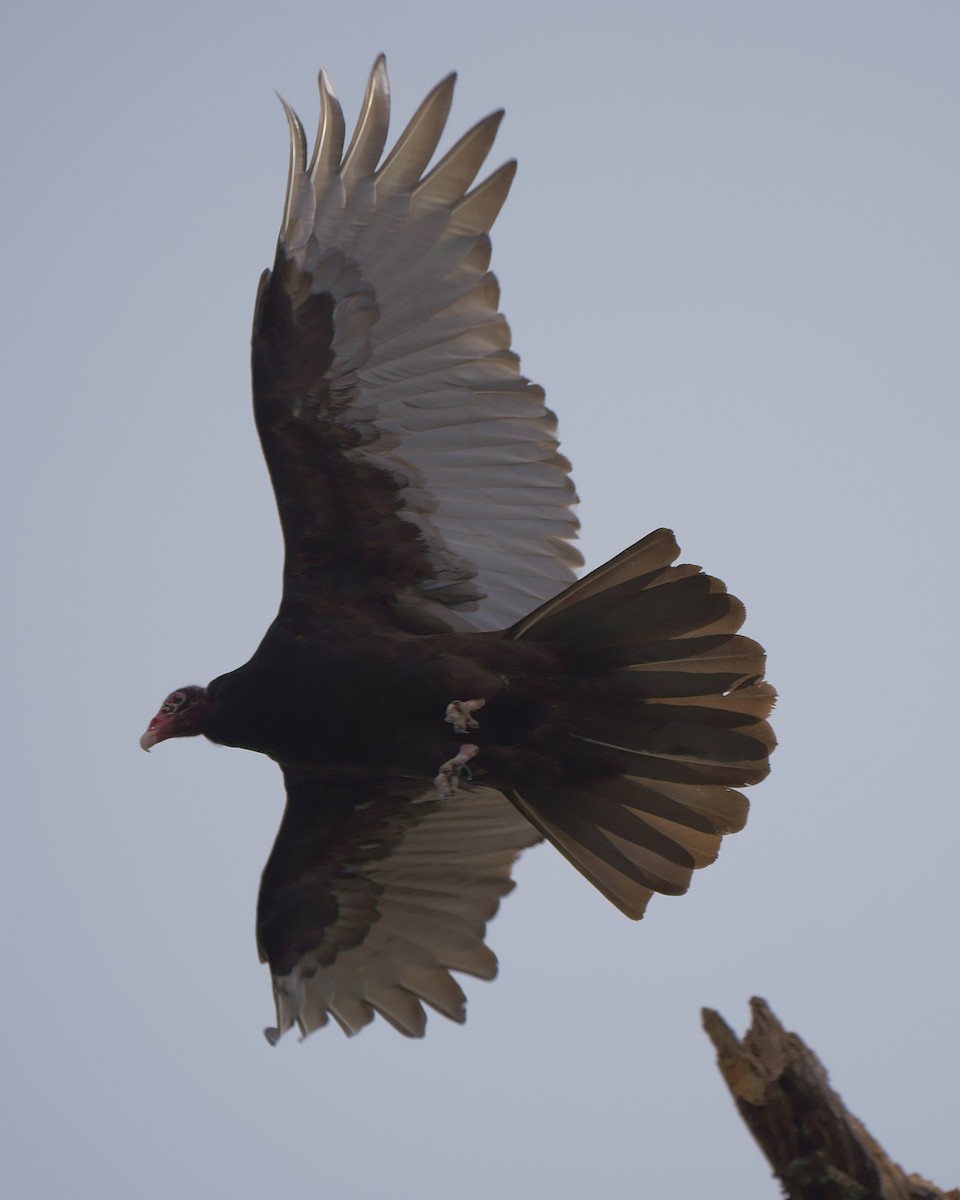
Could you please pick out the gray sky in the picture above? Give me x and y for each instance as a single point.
(732, 257)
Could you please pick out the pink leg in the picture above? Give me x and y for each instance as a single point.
(458, 714)
(448, 780)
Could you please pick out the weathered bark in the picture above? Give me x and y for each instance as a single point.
(817, 1149)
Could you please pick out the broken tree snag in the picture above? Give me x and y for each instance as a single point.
(817, 1149)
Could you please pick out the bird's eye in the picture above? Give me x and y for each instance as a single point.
(172, 703)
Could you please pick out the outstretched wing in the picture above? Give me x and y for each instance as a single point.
(415, 469)
(367, 907)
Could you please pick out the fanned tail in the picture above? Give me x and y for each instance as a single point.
(665, 719)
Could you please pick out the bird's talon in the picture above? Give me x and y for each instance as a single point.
(448, 779)
(458, 714)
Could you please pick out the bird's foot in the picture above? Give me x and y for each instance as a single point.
(448, 780)
(459, 712)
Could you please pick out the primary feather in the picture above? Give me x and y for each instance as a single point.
(427, 523)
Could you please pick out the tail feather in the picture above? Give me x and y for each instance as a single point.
(665, 718)
(707, 735)
(647, 557)
(710, 810)
(656, 606)
(687, 667)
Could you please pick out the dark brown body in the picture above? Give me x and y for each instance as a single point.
(379, 700)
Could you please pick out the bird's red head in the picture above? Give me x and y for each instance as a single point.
(180, 715)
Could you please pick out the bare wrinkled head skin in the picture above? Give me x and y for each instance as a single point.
(180, 715)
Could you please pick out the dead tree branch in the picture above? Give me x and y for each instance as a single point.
(818, 1150)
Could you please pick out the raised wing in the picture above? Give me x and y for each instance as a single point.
(415, 468)
(368, 908)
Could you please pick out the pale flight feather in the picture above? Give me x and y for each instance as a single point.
(422, 354)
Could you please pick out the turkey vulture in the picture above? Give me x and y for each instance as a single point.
(437, 688)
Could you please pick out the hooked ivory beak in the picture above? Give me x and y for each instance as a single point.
(149, 738)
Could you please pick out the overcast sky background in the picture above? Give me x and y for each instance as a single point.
(732, 257)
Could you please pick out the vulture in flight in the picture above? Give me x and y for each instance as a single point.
(438, 689)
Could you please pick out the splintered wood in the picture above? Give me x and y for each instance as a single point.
(818, 1150)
